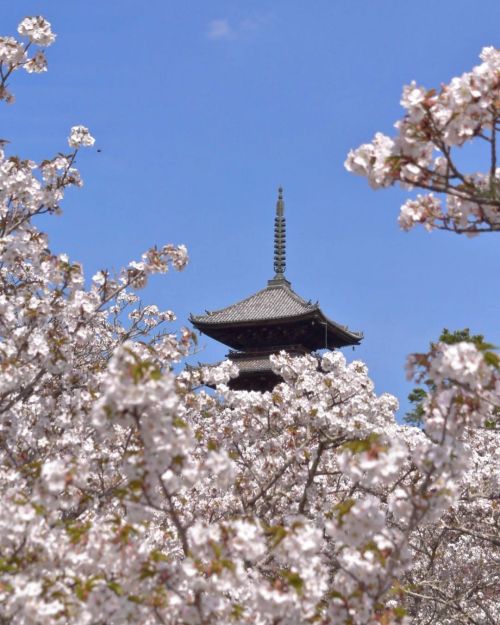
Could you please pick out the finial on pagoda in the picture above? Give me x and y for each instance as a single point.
(280, 238)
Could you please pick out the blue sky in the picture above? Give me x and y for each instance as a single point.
(203, 108)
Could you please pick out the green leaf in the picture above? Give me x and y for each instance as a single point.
(116, 588)
(294, 580)
(492, 359)
(76, 530)
(343, 508)
(228, 564)
(135, 599)
(158, 556)
(360, 445)
(179, 423)
(276, 533)
(237, 610)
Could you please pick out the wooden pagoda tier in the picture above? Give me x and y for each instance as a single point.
(273, 319)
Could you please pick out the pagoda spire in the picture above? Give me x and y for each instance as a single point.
(280, 238)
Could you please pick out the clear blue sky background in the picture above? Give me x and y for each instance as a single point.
(202, 108)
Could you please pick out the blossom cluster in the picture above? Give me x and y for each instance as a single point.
(14, 54)
(422, 155)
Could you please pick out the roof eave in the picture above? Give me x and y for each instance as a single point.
(353, 338)
(346, 336)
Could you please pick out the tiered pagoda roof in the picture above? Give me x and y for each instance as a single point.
(274, 316)
(273, 319)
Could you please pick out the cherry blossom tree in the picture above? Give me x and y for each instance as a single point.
(455, 574)
(131, 495)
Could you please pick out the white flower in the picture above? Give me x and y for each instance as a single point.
(491, 56)
(38, 344)
(37, 29)
(80, 137)
(461, 362)
(32, 589)
(412, 96)
(99, 278)
(36, 64)
(370, 160)
(11, 51)
(54, 475)
(220, 374)
(424, 209)
(221, 468)
(333, 361)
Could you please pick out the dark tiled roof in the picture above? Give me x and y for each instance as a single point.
(245, 365)
(255, 363)
(276, 301)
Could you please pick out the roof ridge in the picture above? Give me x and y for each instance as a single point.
(269, 288)
(299, 298)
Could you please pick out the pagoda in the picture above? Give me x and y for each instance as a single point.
(273, 319)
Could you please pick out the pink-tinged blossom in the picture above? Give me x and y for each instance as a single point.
(11, 51)
(422, 155)
(37, 63)
(413, 96)
(14, 53)
(371, 160)
(219, 374)
(80, 137)
(424, 209)
(38, 30)
(461, 362)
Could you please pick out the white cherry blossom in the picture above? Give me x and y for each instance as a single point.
(80, 137)
(422, 155)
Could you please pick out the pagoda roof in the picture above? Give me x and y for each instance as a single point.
(254, 363)
(276, 301)
(275, 304)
